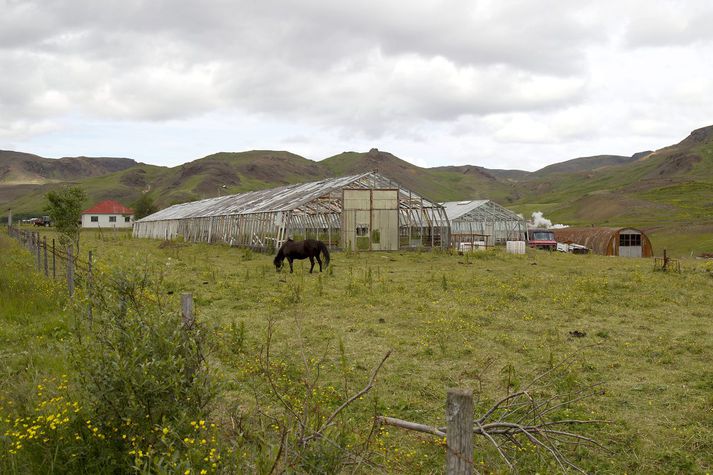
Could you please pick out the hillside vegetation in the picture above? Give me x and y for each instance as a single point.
(667, 192)
(278, 346)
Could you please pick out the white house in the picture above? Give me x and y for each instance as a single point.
(108, 214)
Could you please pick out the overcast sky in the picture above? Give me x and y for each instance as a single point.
(497, 83)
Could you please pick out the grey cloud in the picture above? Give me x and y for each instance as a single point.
(377, 68)
(665, 24)
(305, 38)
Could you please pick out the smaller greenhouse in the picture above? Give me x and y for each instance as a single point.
(361, 212)
(483, 223)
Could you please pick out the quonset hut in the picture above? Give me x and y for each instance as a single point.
(361, 212)
(625, 242)
(483, 221)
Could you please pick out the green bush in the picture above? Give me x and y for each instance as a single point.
(143, 378)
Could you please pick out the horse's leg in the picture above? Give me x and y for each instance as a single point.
(320, 262)
(311, 261)
(290, 259)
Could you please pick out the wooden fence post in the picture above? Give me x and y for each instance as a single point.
(187, 309)
(70, 271)
(44, 247)
(459, 432)
(54, 262)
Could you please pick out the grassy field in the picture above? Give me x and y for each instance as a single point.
(487, 321)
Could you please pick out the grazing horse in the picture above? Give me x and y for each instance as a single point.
(292, 250)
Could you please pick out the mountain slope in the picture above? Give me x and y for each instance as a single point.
(671, 188)
(220, 173)
(585, 164)
(17, 168)
(675, 183)
(225, 173)
(440, 184)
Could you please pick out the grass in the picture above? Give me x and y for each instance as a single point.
(488, 321)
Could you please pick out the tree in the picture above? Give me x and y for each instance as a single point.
(144, 206)
(65, 210)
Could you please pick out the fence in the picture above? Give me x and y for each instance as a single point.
(460, 426)
(54, 260)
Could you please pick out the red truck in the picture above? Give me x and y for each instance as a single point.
(540, 238)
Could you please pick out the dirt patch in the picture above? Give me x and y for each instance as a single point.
(170, 245)
(134, 178)
(677, 163)
(273, 168)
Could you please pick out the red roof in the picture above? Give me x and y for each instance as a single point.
(108, 207)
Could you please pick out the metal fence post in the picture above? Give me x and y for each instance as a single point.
(44, 247)
(36, 251)
(54, 262)
(89, 286)
(459, 432)
(70, 271)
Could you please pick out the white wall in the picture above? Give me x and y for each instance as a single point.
(104, 222)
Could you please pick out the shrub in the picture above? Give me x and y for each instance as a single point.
(142, 375)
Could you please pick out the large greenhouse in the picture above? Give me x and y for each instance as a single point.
(361, 212)
(484, 223)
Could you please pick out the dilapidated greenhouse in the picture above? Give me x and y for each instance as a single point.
(483, 223)
(361, 212)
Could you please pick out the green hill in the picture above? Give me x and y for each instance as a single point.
(671, 184)
(668, 192)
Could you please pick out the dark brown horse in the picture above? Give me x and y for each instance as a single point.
(292, 250)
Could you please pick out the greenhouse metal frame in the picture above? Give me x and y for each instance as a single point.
(483, 222)
(264, 219)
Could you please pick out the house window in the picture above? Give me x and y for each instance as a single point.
(127, 219)
(112, 219)
(94, 219)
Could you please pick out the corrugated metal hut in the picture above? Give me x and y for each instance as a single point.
(625, 242)
(485, 221)
(364, 212)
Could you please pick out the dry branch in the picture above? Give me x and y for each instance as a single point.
(346, 403)
(521, 415)
(392, 421)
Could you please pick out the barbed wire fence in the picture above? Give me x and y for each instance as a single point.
(52, 259)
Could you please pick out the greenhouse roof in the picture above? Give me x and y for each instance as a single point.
(479, 210)
(284, 198)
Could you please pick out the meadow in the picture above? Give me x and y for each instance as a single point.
(279, 343)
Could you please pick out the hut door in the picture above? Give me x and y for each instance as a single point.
(370, 220)
(630, 244)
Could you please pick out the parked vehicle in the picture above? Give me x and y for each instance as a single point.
(572, 248)
(540, 238)
(43, 221)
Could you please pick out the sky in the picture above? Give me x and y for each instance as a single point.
(515, 84)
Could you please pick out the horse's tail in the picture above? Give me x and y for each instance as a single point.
(325, 251)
